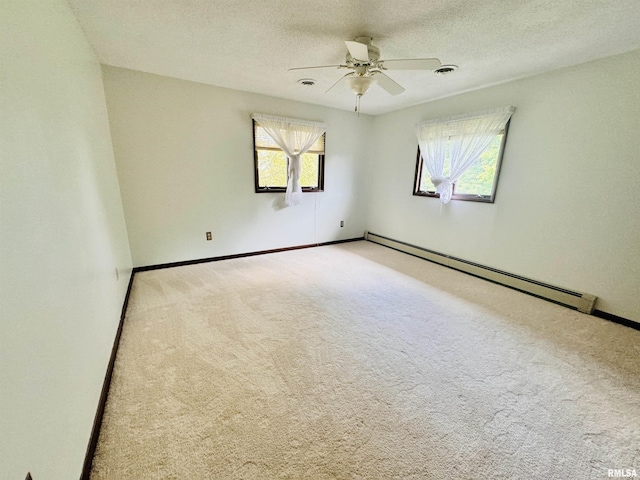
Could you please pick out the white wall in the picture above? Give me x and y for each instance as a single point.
(62, 236)
(567, 210)
(184, 153)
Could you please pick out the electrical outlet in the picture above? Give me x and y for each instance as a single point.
(341, 223)
(208, 235)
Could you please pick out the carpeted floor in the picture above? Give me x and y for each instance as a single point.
(355, 361)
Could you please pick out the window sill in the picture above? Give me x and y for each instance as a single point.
(464, 198)
(426, 194)
(473, 198)
(283, 190)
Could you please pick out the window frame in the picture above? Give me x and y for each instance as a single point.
(259, 189)
(464, 196)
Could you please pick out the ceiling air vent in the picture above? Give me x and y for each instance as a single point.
(445, 69)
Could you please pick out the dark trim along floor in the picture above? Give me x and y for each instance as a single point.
(95, 432)
(615, 318)
(240, 255)
(97, 422)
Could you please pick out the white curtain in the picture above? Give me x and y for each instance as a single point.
(294, 137)
(466, 137)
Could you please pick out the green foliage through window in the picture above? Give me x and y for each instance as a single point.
(272, 169)
(477, 183)
(478, 180)
(271, 164)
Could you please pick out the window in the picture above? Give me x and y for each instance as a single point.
(477, 184)
(271, 164)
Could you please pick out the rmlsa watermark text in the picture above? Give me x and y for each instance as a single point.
(622, 473)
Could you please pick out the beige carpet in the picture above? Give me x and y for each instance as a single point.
(355, 361)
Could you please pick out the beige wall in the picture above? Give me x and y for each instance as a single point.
(62, 236)
(184, 153)
(568, 203)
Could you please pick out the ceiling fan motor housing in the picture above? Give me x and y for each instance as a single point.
(374, 53)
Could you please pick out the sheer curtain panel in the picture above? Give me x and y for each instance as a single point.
(294, 137)
(464, 138)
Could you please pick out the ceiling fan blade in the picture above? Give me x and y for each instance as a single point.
(389, 84)
(358, 51)
(321, 66)
(412, 64)
(339, 80)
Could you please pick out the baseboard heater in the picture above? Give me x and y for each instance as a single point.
(582, 302)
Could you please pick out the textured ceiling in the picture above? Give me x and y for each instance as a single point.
(249, 45)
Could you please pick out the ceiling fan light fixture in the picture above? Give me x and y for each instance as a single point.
(361, 85)
(445, 69)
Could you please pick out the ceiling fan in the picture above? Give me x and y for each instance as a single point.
(363, 59)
